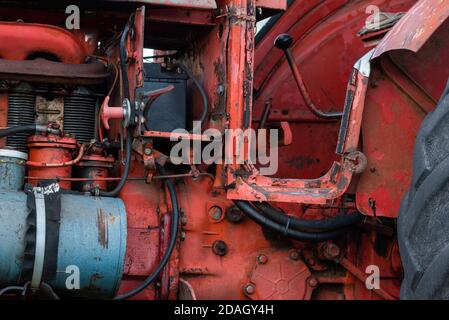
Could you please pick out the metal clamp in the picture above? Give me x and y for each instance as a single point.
(39, 255)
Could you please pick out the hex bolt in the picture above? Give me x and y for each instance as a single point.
(220, 248)
(249, 289)
(262, 259)
(331, 251)
(234, 214)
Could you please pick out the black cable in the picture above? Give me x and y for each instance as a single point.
(123, 56)
(173, 234)
(303, 224)
(201, 90)
(121, 183)
(30, 128)
(256, 216)
(128, 143)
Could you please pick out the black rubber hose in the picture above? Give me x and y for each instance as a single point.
(201, 90)
(128, 144)
(124, 58)
(128, 150)
(168, 252)
(303, 224)
(30, 128)
(256, 216)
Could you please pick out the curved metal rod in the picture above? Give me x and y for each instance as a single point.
(61, 164)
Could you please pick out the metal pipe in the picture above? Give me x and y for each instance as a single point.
(61, 164)
(284, 42)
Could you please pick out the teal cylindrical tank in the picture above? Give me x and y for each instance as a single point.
(92, 240)
(12, 169)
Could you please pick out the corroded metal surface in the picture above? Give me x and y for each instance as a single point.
(416, 27)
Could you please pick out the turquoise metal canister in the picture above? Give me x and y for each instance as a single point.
(12, 169)
(92, 244)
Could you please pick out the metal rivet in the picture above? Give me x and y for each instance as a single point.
(249, 289)
(220, 248)
(262, 259)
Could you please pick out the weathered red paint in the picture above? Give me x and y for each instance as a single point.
(413, 30)
(326, 49)
(52, 149)
(21, 40)
(412, 90)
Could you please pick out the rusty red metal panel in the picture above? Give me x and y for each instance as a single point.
(416, 27)
(194, 4)
(22, 40)
(272, 4)
(182, 16)
(405, 87)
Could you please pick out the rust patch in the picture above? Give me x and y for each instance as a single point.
(102, 226)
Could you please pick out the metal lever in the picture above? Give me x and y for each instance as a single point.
(284, 42)
(123, 113)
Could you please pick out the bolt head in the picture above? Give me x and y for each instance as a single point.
(215, 212)
(294, 255)
(249, 289)
(234, 215)
(332, 251)
(220, 248)
(313, 282)
(262, 259)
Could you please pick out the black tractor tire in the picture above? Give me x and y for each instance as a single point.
(423, 221)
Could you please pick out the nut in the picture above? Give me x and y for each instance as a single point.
(220, 248)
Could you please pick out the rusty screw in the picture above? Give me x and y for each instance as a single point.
(249, 289)
(234, 215)
(331, 251)
(215, 212)
(262, 259)
(313, 282)
(294, 255)
(220, 248)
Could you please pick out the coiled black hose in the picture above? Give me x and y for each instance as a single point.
(173, 234)
(201, 91)
(31, 128)
(303, 224)
(256, 216)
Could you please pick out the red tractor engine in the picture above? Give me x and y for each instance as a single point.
(96, 204)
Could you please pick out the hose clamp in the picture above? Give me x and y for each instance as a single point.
(39, 255)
